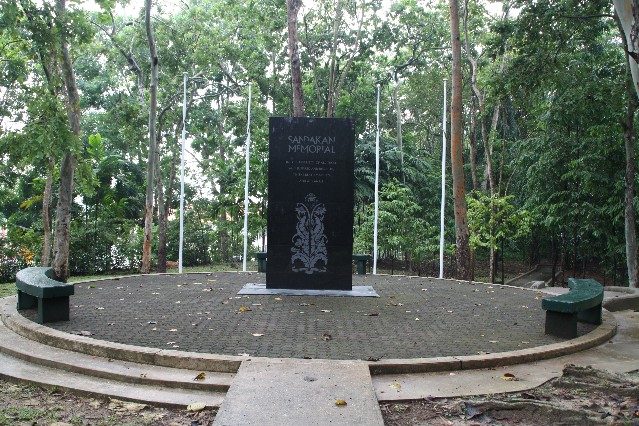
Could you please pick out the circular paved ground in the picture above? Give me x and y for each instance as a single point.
(412, 318)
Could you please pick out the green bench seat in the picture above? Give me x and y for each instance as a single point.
(36, 288)
(582, 303)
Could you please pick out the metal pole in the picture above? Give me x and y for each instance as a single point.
(182, 177)
(441, 233)
(376, 189)
(246, 180)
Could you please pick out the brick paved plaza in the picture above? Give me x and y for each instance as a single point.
(412, 318)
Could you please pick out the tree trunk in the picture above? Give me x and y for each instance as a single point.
(629, 210)
(628, 13)
(292, 8)
(473, 112)
(398, 112)
(457, 163)
(630, 230)
(145, 268)
(554, 260)
(472, 141)
(330, 108)
(65, 193)
(46, 215)
(162, 215)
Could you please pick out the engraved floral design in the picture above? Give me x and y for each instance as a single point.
(309, 241)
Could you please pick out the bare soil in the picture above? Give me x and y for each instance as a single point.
(28, 405)
(582, 396)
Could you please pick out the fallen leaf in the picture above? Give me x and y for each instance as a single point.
(493, 341)
(325, 310)
(310, 379)
(131, 407)
(509, 377)
(152, 322)
(196, 406)
(257, 334)
(327, 337)
(396, 385)
(244, 309)
(200, 376)
(173, 330)
(340, 402)
(373, 359)
(143, 375)
(375, 314)
(278, 298)
(243, 354)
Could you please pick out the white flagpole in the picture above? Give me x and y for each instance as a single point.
(182, 176)
(246, 181)
(441, 233)
(376, 189)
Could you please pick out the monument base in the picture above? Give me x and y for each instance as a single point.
(260, 289)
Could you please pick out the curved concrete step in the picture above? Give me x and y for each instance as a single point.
(115, 351)
(33, 352)
(19, 370)
(49, 359)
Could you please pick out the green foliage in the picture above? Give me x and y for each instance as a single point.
(493, 219)
(557, 149)
(401, 230)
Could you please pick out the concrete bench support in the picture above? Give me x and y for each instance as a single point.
(37, 289)
(582, 303)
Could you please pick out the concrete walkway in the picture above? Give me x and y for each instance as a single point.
(301, 392)
(178, 339)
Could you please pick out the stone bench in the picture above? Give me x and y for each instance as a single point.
(36, 288)
(361, 260)
(582, 303)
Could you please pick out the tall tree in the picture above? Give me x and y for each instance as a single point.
(148, 209)
(628, 13)
(292, 9)
(62, 233)
(629, 34)
(462, 254)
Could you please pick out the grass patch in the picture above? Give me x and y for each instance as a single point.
(11, 415)
(7, 289)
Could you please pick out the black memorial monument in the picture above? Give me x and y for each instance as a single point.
(310, 203)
